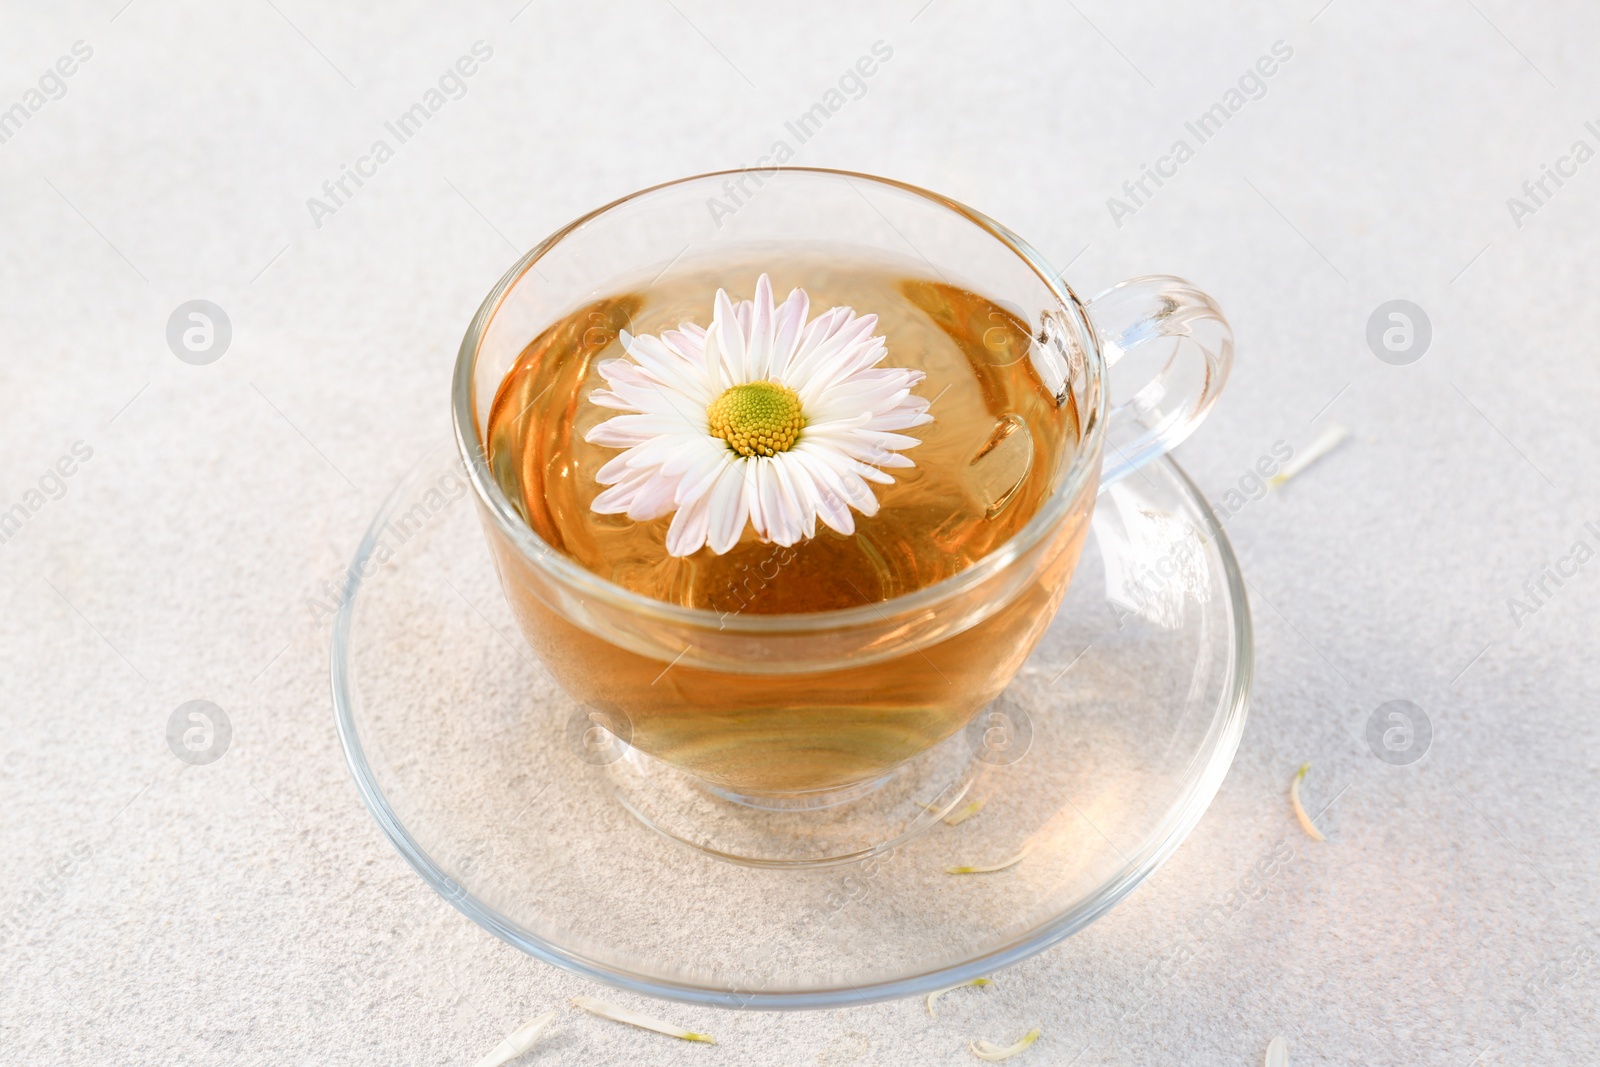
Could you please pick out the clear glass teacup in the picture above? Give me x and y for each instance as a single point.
(809, 704)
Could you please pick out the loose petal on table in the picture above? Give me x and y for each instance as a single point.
(517, 1043)
(1299, 809)
(937, 993)
(634, 1018)
(986, 1050)
(1320, 446)
(991, 868)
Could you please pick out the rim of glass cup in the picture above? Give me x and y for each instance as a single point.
(1069, 483)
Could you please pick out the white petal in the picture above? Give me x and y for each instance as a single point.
(615, 470)
(859, 493)
(859, 443)
(857, 394)
(687, 534)
(903, 417)
(853, 397)
(904, 375)
(716, 369)
(758, 475)
(730, 339)
(988, 1050)
(660, 452)
(790, 322)
(827, 492)
(778, 508)
(671, 370)
(820, 357)
(691, 451)
(679, 388)
(610, 368)
(617, 499)
(653, 499)
(607, 399)
(517, 1042)
(759, 357)
(839, 366)
(797, 502)
(752, 497)
(652, 398)
(837, 405)
(821, 328)
(728, 509)
(859, 430)
(639, 1019)
(835, 428)
(688, 341)
(625, 431)
(873, 474)
(847, 471)
(699, 479)
(648, 350)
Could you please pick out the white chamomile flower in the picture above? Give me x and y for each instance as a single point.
(764, 417)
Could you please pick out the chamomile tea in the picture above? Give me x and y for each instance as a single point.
(789, 434)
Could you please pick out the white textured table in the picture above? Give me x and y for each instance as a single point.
(248, 910)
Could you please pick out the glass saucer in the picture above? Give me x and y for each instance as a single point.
(524, 812)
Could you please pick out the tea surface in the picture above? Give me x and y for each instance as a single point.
(983, 465)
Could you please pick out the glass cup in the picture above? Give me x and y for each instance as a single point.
(778, 708)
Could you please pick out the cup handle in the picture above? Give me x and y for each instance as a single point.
(1179, 322)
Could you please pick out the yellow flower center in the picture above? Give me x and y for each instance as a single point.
(757, 419)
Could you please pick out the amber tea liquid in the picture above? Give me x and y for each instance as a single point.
(983, 466)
